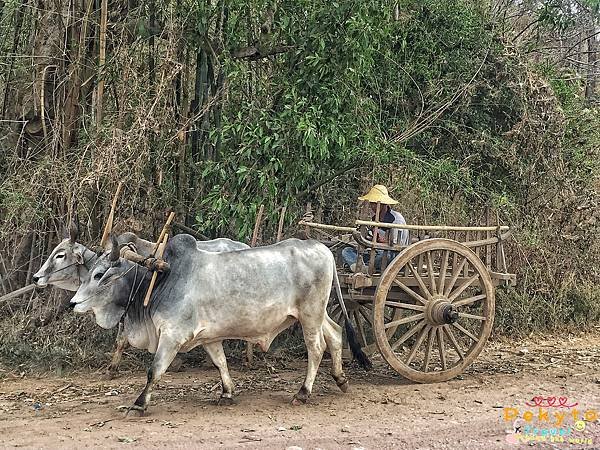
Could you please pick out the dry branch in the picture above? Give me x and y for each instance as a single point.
(18, 292)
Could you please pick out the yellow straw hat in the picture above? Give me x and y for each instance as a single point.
(378, 193)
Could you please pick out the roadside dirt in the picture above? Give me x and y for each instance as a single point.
(381, 410)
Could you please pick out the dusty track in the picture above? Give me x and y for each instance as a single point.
(381, 411)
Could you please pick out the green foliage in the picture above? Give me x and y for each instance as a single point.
(354, 77)
(431, 102)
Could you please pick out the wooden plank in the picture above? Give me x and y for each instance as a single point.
(374, 241)
(488, 235)
(466, 266)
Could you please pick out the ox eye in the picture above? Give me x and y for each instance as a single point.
(60, 255)
(98, 276)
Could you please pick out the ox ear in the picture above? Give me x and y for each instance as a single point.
(115, 251)
(73, 232)
(78, 254)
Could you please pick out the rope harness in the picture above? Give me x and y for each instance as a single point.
(73, 264)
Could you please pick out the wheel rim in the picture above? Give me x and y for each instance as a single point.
(446, 314)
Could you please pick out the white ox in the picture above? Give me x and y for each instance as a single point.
(69, 263)
(206, 298)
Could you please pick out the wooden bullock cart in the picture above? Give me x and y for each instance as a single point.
(429, 310)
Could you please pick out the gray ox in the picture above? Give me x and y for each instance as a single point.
(69, 263)
(206, 298)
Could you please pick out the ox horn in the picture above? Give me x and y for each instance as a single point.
(114, 252)
(73, 232)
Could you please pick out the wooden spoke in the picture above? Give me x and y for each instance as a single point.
(465, 331)
(443, 270)
(409, 291)
(471, 316)
(456, 272)
(360, 329)
(418, 341)
(454, 262)
(469, 301)
(442, 350)
(405, 306)
(408, 319)
(454, 342)
(419, 264)
(420, 281)
(408, 334)
(430, 339)
(463, 286)
(334, 311)
(338, 317)
(432, 284)
(366, 316)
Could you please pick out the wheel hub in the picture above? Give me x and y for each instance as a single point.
(440, 311)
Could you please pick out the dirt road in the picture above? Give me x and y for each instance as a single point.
(382, 410)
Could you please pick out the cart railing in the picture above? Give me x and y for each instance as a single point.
(430, 227)
(485, 241)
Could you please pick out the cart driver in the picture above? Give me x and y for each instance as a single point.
(379, 194)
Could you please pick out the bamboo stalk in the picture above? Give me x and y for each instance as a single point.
(159, 254)
(261, 210)
(43, 100)
(111, 216)
(101, 60)
(280, 226)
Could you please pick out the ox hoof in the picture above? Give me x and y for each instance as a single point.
(344, 385)
(225, 401)
(297, 401)
(301, 397)
(135, 410)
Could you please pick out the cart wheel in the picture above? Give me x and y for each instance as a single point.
(445, 298)
(361, 316)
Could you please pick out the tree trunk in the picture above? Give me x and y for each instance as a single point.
(592, 59)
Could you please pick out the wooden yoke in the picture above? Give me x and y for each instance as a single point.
(163, 232)
(150, 263)
(158, 251)
(161, 250)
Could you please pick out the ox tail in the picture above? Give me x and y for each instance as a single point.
(357, 351)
